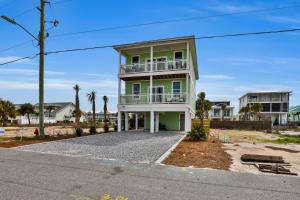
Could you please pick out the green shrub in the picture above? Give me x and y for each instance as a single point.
(106, 128)
(93, 130)
(78, 132)
(197, 133)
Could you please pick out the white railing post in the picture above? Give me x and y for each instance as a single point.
(188, 55)
(151, 78)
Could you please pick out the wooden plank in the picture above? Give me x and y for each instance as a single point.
(261, 158)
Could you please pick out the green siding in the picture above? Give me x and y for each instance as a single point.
(169, 119)
(146, 84)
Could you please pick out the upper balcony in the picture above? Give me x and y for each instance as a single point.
(160, 58)
(157, 66)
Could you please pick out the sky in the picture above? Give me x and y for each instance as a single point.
(228, 67)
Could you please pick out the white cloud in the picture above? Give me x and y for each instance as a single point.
(280, 19)
(217, 76)
(99, 75)
(29, 72)
(228, 8)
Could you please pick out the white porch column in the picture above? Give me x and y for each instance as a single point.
(126, 121)
(136, 121)
(151, 70)
(188, 55)
(152, 122)
(119, 79)
(157, 122)
(187, 121)
(119, 121)
(187, 92)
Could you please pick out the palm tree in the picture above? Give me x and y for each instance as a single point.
(200, 106)
(50, 108)
(105, 100)
(92, 98)
(245, 111)
(77, 106)
(27, 109)
(256, 109)
(7, 109)
(223, 108)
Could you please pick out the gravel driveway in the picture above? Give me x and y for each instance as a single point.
(140, 147)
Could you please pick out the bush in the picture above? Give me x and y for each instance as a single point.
(93, 130)
(197, 133)
(115, 127)
(78, 132)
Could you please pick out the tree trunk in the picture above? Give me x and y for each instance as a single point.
(28, 117)
(94, 113)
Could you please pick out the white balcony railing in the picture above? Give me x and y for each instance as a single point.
(164, 98)
(265, 99)
(156, 66)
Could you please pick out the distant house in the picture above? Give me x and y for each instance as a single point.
(294, 114)
(112, 117)
(275, 104)
(216, 110)
(61, 112)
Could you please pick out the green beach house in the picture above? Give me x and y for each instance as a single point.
(157, 81)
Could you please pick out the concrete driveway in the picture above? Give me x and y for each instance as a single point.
(141, 147)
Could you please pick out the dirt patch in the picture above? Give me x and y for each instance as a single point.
(282, 149)
(202, 154)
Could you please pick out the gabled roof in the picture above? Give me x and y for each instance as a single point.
(190, 39)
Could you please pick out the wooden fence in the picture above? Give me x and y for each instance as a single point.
(242, 125)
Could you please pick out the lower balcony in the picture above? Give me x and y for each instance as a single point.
(163, 98)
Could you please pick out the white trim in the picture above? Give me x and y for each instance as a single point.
(134, 95)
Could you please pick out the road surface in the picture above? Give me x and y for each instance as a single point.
(28, 175)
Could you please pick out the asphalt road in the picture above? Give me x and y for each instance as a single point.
(28, 175)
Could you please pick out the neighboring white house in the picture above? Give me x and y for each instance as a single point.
(216, 110)
(111, 116)
(61, 112)
(159, 78)
(275, 104)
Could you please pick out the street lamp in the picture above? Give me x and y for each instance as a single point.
(41, 65)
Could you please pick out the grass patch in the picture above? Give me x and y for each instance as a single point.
(284, 140)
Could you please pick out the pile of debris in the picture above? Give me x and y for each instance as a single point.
(268, 164)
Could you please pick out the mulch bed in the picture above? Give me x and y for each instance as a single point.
(200, 154)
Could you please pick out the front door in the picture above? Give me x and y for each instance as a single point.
(157, 94)
(182, 122)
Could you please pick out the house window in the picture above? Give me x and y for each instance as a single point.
(216, 112)
(176, 89)
(136, 90)
(135, 60)
(178, 56)
(227, 113)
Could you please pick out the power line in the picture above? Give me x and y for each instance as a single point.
(15, 46)
(19, 59)
(173, 21)
(196, 38)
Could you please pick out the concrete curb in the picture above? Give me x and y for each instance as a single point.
(167, 153)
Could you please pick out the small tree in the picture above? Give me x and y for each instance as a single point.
(256, 109)
(7, 109)
(105, 100)
(245, 112)
(223, 108)
(27, 109)
(50, 108)
(77, 106)
(200, 106)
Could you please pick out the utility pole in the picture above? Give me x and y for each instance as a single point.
(41, 68)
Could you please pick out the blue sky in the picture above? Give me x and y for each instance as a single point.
(228, 67)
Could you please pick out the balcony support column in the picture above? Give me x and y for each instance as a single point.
(188, 55)
(151, 70)
(188, 121)
(157, 122)
(136, 121)
(119, 121)
(119, 80)
(187, 93)
(126, 121)
(152, 122)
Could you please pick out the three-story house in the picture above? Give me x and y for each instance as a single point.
(157, 81)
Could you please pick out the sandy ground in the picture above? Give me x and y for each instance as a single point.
(51, 130)
(239, 142)
(237, 149)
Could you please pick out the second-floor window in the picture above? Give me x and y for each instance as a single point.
(136, 90)
(178, 56)
(176, 89)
